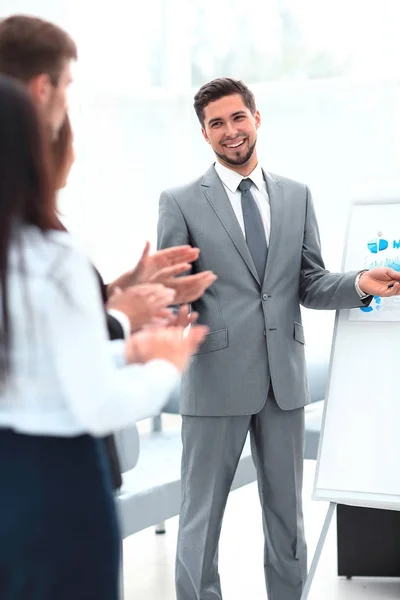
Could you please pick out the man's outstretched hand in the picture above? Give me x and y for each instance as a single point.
(380, 281)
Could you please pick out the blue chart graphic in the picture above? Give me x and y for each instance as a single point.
(376, 304)
(378, 245)
(393, 263)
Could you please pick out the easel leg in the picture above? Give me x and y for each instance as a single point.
(318, 551)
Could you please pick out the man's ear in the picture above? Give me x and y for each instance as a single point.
(40, 88)
(205, 136)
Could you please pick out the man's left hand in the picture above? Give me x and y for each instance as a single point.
(380, 281)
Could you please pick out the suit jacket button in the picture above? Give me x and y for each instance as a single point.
(264, 297)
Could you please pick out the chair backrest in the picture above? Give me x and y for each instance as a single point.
(172, 406)
(317, 371)
(128, 446)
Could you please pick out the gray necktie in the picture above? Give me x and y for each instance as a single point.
(254, 228)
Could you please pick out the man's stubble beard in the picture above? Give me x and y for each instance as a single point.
(240, 161)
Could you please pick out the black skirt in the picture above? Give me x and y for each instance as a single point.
(59, 537)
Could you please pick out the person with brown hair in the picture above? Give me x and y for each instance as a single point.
(40, 54)
(59, 387)
(258, 232)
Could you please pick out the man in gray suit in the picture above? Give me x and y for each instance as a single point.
(258, 232)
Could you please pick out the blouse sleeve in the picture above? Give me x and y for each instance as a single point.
(103, 397)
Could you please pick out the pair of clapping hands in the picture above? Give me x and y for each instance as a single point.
(144, 295)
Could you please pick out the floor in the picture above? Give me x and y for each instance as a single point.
(149, 558)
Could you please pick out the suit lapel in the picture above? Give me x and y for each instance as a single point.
(275, 193)
(215, 194)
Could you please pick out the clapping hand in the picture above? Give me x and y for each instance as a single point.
(143, 303)
(150, 264)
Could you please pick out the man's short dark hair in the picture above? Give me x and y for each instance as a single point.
(218, 88)
(30, 46)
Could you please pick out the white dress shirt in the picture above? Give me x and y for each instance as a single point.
(231, 181)
(65, 377)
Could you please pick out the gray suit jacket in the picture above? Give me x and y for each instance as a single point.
(256, 334)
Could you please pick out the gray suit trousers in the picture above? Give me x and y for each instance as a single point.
(211, 451)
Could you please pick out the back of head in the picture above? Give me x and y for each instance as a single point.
(26, 191)
(30, 46)
(26, 188)
(219, 88)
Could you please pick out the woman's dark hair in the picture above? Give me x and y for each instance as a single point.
(27, 194)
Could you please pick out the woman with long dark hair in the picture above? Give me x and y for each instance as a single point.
(59, 388)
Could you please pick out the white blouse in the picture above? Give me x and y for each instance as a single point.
(67, 377)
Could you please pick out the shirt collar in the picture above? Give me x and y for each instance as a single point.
(231, 179)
